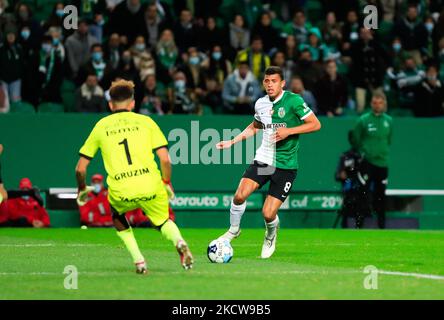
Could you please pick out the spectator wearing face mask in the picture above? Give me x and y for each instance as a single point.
(78, 47)
(50, 72)
(154, 97)
(167, 53)
(182, 99)
(194, 65)
(98, 66)
(143, 60)
(26, 211)
(24, 17)
(31, 60)
(429, 95)
(219, 67)
(56, 17)
(57, 37)
(96, 212)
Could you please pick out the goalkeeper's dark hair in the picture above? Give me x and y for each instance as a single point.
(274, 70)
(121, 90)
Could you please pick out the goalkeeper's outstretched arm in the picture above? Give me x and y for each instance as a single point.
(249, 131)
(165, 168)
(83, 189)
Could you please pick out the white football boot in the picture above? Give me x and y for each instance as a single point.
(230, 235)
(269, 245)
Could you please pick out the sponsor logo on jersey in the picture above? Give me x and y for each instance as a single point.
(137, 199)
(132, 173)
(281, 112)
(306, 108)
(274, 126)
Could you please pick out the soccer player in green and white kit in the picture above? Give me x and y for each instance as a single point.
(282, 116)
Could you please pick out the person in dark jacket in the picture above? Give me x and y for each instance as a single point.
(50, 72)
(90, 96)
(347, 172)
(429, 95)
(128, 19)
(331, 91)
(11, 66)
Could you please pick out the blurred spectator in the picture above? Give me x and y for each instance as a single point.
(267, 32)
(290, 49)
(50, 72)
(350, 30)
(297, 86)
(26, 211)
(441, 59)
(239, 35)
(154, 97)
(56, 17)
(127, 70)
(56, 35)
(96, 29)
(318, 50)
(341, 8)
(219, 67)
(211, 94)
(193, 67)
(11, 66)
(143, 60)
(211, 36)
(331, 91)
(24, 17)
(96, 212)
(406, 81)
(429, 95)
(167, 54)
(298, 27)
(153, 25)
(285, 65)
(128, 19)
(31, 60)
(307, 70)
(98, 66)
(391, 9)
(255, 57)
(368, 66)
(78, 48)
(3, 193)
(113, 51)
(249, 9)
(182, 99)
(90, 96)
(185, 31)
(413, 33)
(331, 31)
(241, 90)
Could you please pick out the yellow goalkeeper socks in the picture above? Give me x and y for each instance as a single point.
(127, 237)
(171, 232)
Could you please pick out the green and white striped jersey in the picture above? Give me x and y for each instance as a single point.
(287, 110)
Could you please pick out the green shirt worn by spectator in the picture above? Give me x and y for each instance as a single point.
(373, 135)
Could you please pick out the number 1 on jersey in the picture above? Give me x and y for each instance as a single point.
(128, 156)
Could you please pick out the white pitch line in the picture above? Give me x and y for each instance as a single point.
(411, 274)
(26, 245)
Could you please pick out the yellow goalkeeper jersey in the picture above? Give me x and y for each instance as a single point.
(127, 141)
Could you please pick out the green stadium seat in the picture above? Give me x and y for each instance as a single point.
(21, 107)
(68, 86)
(69, 101)
(49, 107)
(206, 110)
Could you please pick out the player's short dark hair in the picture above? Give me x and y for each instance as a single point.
(274, 70)
(121, 90)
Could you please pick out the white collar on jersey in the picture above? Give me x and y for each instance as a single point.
(278, 98)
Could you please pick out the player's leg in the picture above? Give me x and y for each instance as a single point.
(157, 211)
(252, 180)
(125, 232)
(280, 186)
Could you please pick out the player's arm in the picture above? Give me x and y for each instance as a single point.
(165, 168)
(82, 188)
(311, 124)
(248, 132)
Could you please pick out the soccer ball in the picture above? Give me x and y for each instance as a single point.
(220, 251)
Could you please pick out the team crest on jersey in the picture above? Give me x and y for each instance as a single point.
(281, 112)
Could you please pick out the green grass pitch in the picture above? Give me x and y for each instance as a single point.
(308, 264)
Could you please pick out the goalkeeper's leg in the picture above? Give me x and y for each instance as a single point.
(125, 232)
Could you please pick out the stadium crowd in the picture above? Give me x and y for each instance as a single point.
(204, 57)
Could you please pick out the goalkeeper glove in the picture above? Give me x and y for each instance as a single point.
(83, 195)
(169, 188)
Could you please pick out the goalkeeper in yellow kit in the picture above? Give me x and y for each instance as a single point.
(128, 142)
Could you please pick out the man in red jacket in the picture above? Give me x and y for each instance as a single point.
(26, 211)
(96, 212)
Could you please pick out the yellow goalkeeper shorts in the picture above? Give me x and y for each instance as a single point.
(154, 206)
